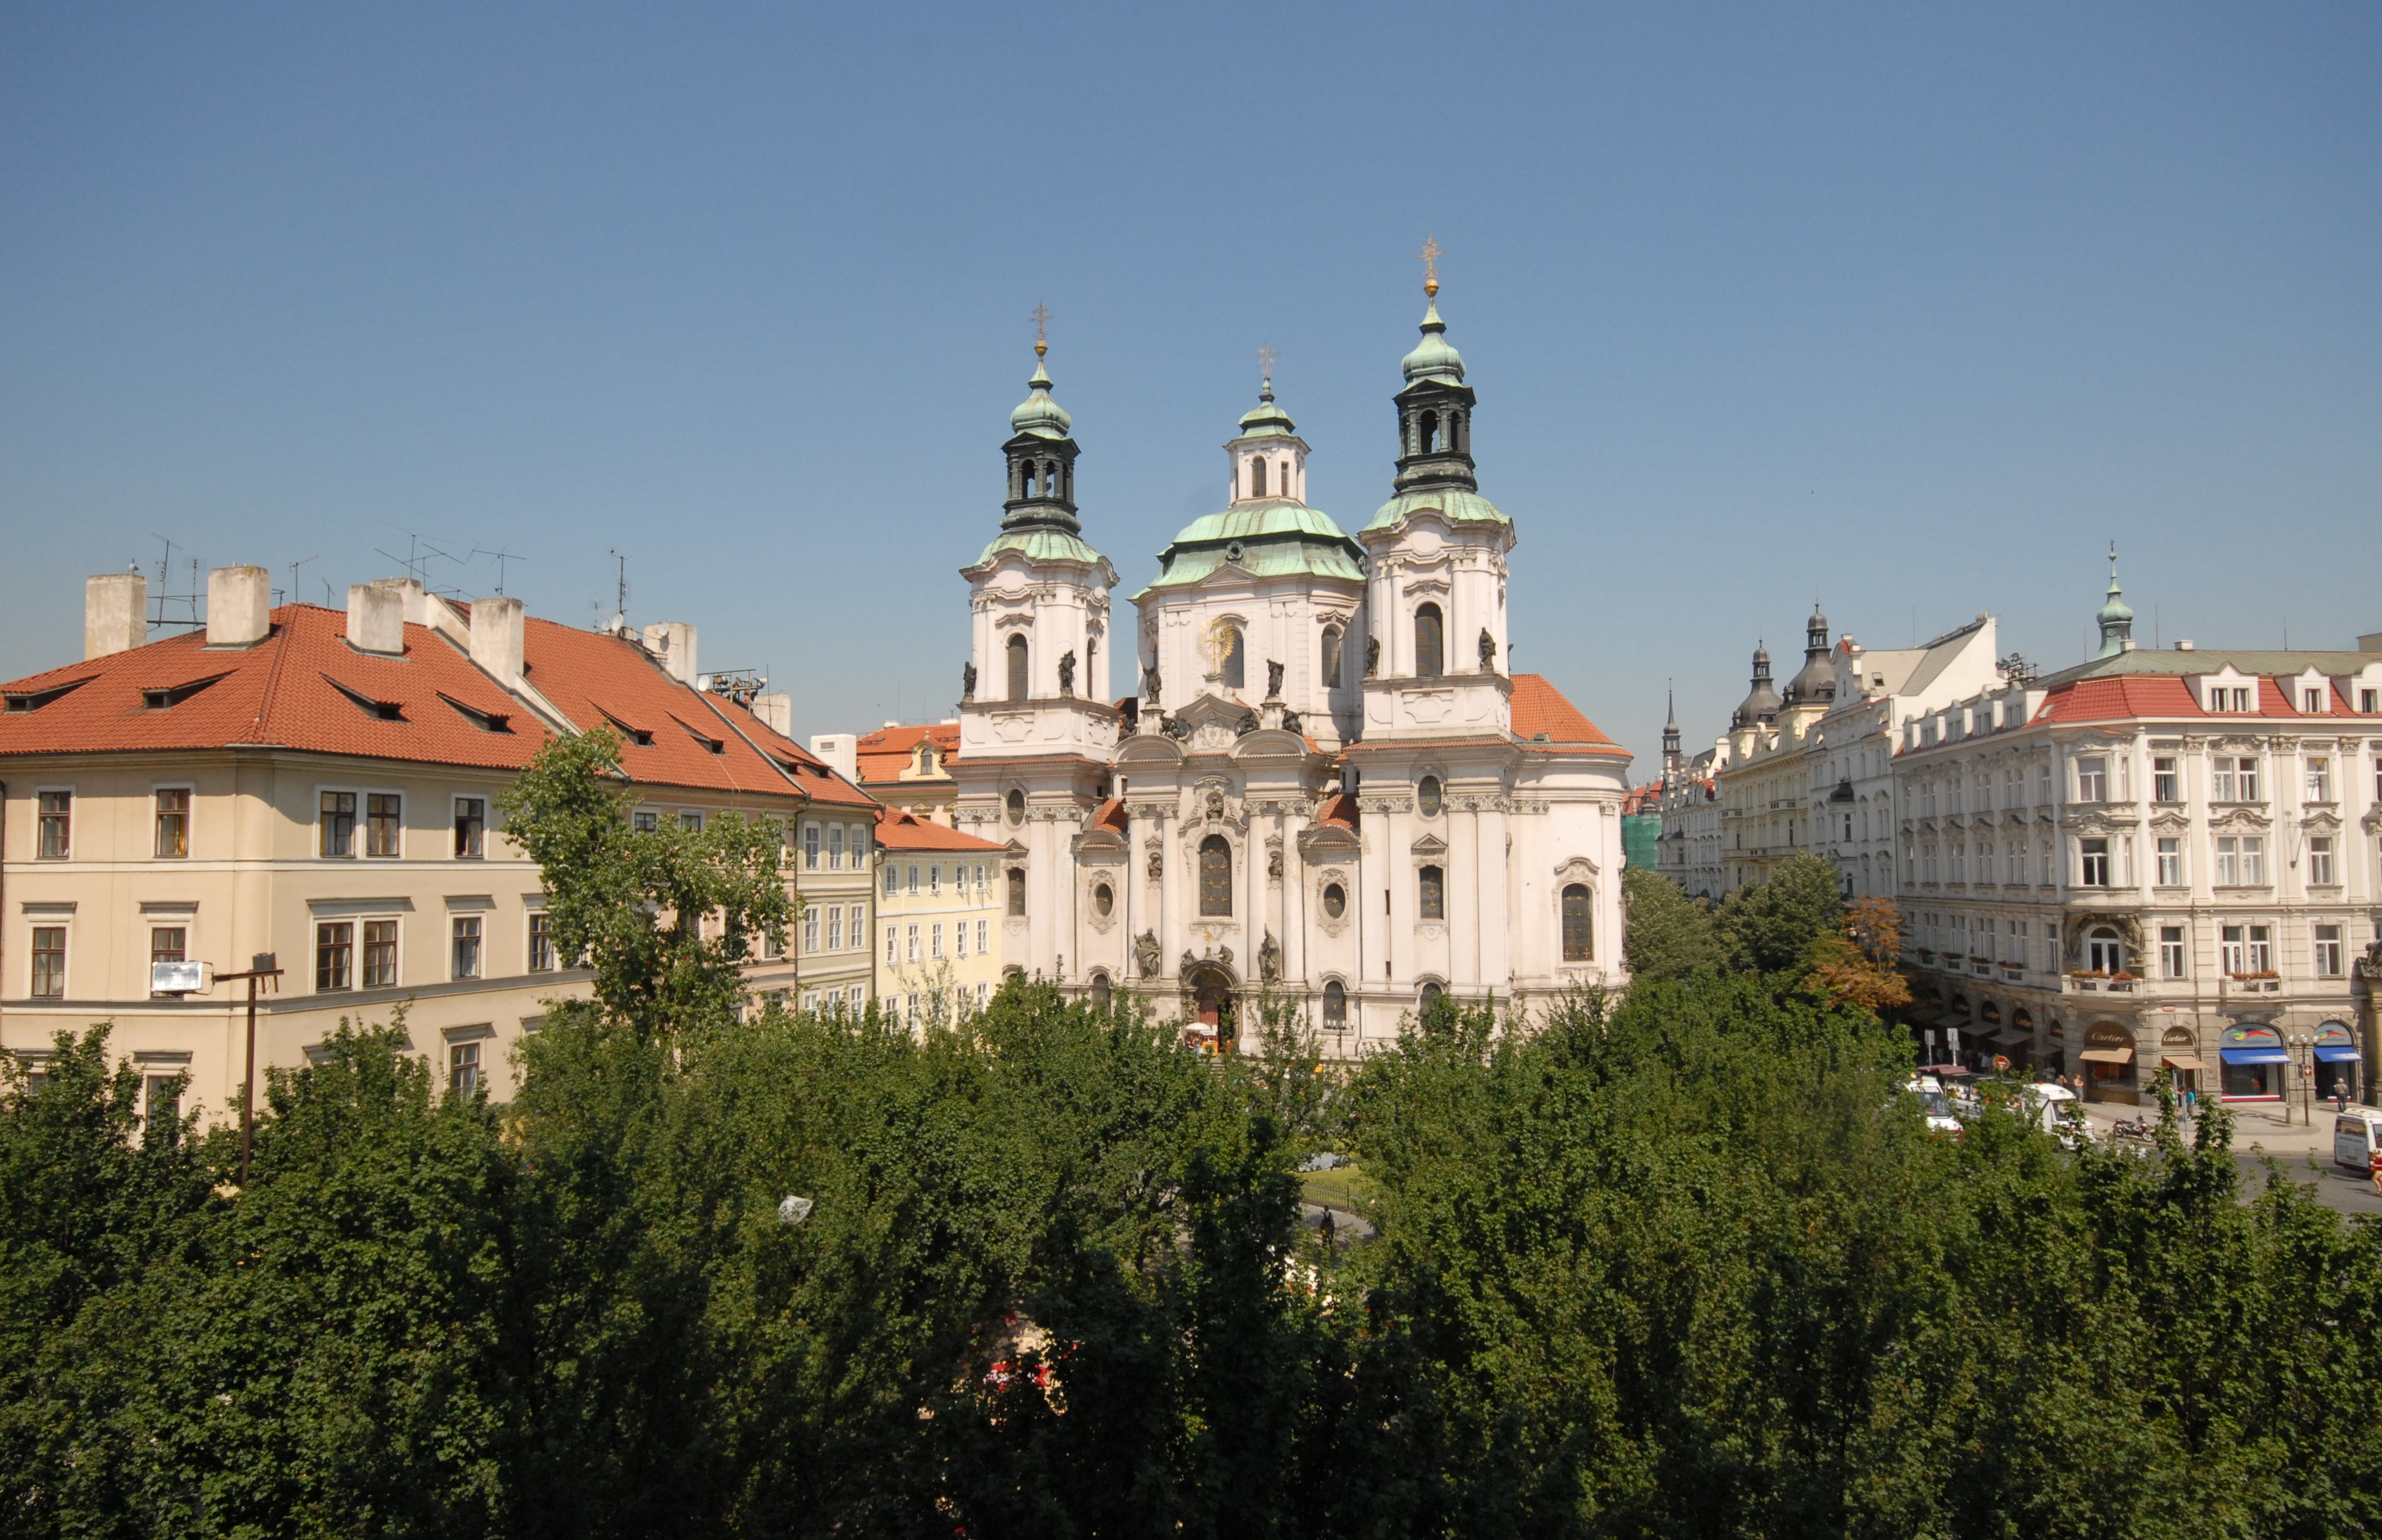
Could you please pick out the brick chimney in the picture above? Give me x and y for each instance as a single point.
(114, 612)
(240, 606)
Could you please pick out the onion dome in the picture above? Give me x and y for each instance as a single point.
(2114, 618)
(1761, 704)
(1038, 414)
(1265, 418)
(1433, 358)
(1815, 682)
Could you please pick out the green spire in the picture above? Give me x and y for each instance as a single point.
(2117, 620)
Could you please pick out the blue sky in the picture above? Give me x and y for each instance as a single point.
(1911, 309)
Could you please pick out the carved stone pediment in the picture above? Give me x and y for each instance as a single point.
(2323, 820)
(2241, 820)
(1429, 845)
(2103, 823)
(1328, 842)
(1576, 868)
(2170, 822)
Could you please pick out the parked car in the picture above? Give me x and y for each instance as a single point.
(2357, 1137)
(1936, 1105)
(2055, 1110)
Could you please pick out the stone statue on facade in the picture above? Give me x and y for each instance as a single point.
(1488, 652)
(1157, 863)
(1270, 958)
(1372, 656)
(1290, 722)
(1246, 725)
(1273, 680)
(1273, 864)
(1067, 671)
(1145, 954)
(968, 681)
(1150, 684)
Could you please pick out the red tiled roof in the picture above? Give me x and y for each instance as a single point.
(2119, 696)
(885, 754)
(1112, 815)
(302, 686)
(1539, 707)
(1339, 810)
(906, 831)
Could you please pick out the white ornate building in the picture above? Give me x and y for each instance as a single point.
(1325, 784)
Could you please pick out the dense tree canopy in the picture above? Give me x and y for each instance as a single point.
(1680, 1263)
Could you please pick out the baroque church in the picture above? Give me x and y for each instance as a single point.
(1326, 787)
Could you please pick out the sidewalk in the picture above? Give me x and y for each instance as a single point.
(2260, 1132)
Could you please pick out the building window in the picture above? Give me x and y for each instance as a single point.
(1959, 863)
(1017, 677)
(56, 835)
(2103, 953)
(463, 1068)
(892, 945)
(1015, 803)
(2262, 950)
(1017, 892)
(2092, 781)
(914, 879)
(174, 822)
(2328, 951)
(983, 937)
(2319, 778)
(859, 847)
(2233, 779)
(335, 955)
(2096, 863)
(470, 827)
(912, 955)
(2170, 951)
(163, 1119)
(834, 928)
(1103, 900)
(2312, 701)
(835, 847)
(380, 954)
(2166, 784)
(892, 880)
(1215, 876)
(467, 946)
(49, 962)
(935, 879)
(168, 944)
(810, 847)
(1335, 900)
(1102, 995)
(859, 929)
(935, 942)
(338, 827)
(644, 821)
(1430, 643)
(810, 930)
(1578, 924)
(1335, 1006)
(1331, 657)
(1431, 894)
(690, 821)
(541, 942)
(2369, 702)
(2170, 863)
(2320, 871)
(1427, 796)
(1235, 660)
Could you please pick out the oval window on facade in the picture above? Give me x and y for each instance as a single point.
(1016, 807)
(1426, 797)
(1335, 900)
(1103, 900)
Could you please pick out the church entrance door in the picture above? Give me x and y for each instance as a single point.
(1213, 994)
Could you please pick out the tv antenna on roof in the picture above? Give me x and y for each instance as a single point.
(294, 566)
(621, 607)
(419, 554)
(188, 599)
(500, 557)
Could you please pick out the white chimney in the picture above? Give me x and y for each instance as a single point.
(497, 627)
(376, 618)
(672, 643)
(240, 606)
(842, 753)
(778, 711)
(2184, 646)
(114, 612)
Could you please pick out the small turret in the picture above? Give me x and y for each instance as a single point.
(2116, 619)
(1761, 706)
(1671, 755)
(1815, 682)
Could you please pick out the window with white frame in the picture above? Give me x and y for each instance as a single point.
(810, 930)
(2095, 862)
(2093, 780)
(859, 930)
(467, 946)
(2166, 785)
(690, 821)
(2312, 699)
(2104, 951)
(2328, 951)
(1959, 861)
(835, 847)
(892, 945)
(2319, 777)
(2261, 948)
(2233, 778)
(2320, 869)
(912, 939)
(892, 880)
(2170, 951)
(935, 942)
(914, 879)
(834, 927)
(2170, 863)
(54, 838)
(2043, 786)
(983, 931)
(810, 847)
(935, 879)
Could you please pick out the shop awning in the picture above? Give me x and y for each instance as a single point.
(2181, 1061)
(2334, 1053)
(2255, 1056)
(2107, 1056)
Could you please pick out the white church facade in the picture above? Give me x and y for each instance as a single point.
(1325, 787)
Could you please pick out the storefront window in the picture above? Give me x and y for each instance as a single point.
(2254, 1063)
(2336, 1062)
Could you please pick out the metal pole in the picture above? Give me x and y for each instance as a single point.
(248, 1088)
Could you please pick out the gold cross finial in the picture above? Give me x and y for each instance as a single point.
(1265, 360)
(1431, 255)
(1042, 329)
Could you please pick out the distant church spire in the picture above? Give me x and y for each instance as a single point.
(1671, 733)
(1435, 408)
(2116, 619)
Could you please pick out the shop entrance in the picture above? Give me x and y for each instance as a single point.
(2109, 1059)
(2337, 1062)
(2254, 1063)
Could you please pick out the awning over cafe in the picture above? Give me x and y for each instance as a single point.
(2181, 1061)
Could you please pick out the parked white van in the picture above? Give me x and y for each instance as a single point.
(2357, 1137)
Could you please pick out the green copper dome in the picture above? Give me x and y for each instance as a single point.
(1265, 538)
(1037, 414)
(1041, 545)
(1452, 503)
(1265, 418)
(1433, 358)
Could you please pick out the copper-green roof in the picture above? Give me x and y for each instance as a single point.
(1260, 518)
(1452, 503)
(1042, 545)
(1274, 538)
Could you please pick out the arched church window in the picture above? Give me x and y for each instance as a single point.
(1335, 1006)
(1101, 993)
(1578, 924)
(1236, 666)
(1331, 657)
(1017, 892)
(1431, 894)
(1017, 690)
(1215, 876)
(1257, 478)
(1430, 432)
(1282, 480)
(1091, 657)
(1430, 652)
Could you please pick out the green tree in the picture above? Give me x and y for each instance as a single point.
(1771, 927)
(1665, 935)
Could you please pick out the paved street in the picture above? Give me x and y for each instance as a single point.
(2303, 1153)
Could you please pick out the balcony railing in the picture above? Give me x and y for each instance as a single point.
(2086, 983)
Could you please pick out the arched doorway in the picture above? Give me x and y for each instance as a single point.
(2336, 1059)
(1211, 990)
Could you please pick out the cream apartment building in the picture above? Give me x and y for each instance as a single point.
(321, 787)
(940, 906)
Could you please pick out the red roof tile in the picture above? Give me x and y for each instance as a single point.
(1539, 707)
(904, 831)
(885, 754)
(2120, 696)
(1112, 815)
(1340, 811)
(302, 686)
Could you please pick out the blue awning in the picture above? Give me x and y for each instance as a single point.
(2329, 1053)
(2255, 1055)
